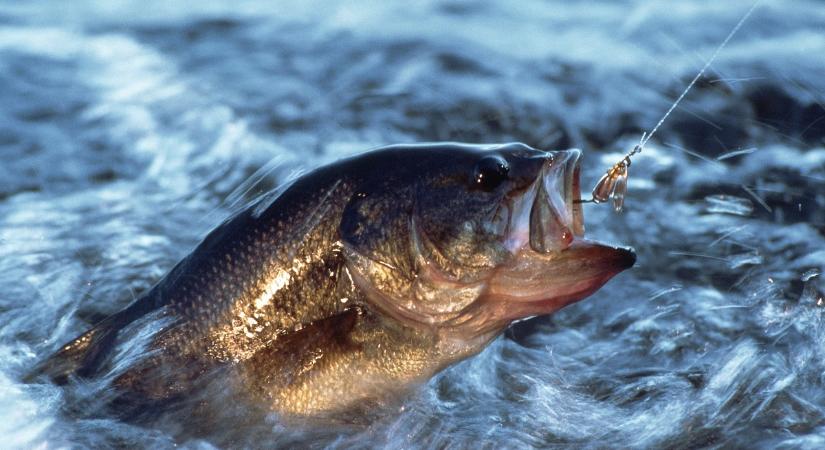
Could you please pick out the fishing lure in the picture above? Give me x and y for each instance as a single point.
(613, 184)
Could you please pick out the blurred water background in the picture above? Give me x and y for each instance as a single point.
(128, 129)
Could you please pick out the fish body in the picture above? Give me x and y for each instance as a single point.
(360, 280)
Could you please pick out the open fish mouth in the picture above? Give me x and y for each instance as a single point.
(548, 214)
(553, 264)
(556, 212)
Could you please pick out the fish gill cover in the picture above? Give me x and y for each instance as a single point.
(129, 129)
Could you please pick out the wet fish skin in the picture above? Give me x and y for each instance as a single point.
(361, 279)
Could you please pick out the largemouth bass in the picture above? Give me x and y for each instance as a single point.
(361, 280)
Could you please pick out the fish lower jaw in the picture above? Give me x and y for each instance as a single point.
(543, 293)
(541, 283)
(525, 302)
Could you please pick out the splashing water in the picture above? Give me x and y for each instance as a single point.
(129, 130)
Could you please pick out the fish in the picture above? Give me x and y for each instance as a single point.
(358, 282)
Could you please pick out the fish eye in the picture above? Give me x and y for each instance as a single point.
(490, 172)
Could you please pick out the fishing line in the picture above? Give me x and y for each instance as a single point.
(701, 72)
(613, 184)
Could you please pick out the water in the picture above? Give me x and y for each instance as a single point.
(128, 130)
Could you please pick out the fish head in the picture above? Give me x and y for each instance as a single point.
(466, 239)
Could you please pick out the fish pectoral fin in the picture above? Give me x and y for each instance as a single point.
(82, 356)
(296, 355)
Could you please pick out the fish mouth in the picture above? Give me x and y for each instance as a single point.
(556, 216)
(553, 265)
(548, 214)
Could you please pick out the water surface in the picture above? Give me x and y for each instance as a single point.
(129, 129)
